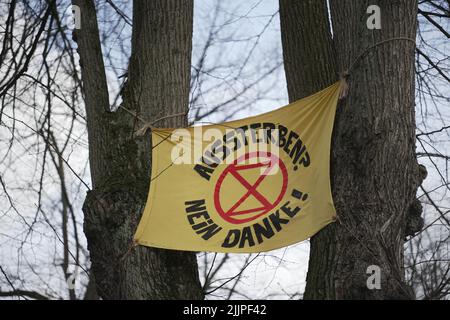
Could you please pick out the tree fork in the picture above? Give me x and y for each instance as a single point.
(373, 167)
(157, 85)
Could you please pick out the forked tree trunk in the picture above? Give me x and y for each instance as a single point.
(158, 85)
(374, 170)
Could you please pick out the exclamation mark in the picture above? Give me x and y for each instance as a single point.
(299, 195)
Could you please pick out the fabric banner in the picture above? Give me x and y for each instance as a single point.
(250, 185)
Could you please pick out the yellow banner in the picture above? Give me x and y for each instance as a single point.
(250, 185)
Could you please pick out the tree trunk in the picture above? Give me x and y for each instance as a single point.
(374, 170)
(158, 85)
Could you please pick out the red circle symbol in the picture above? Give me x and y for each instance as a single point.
(270, 162)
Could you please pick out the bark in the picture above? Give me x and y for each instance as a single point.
(374, 171)
(158, 85)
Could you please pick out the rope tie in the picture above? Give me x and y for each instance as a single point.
(146, 124)
(343, 76)
(132, 245)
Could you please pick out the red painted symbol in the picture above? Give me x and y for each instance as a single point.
(267, 160)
